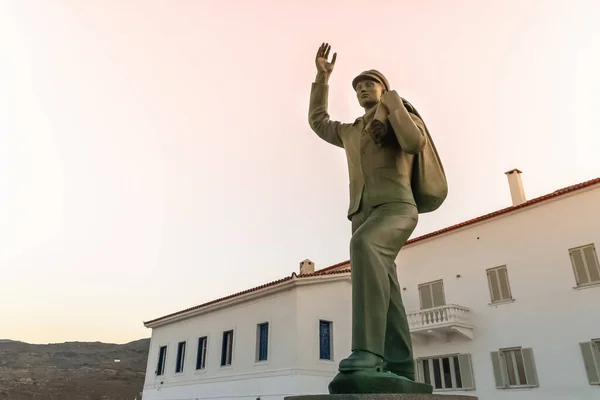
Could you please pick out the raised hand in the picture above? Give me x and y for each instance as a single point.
(322, 62)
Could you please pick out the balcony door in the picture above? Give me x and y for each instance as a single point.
(432, 295)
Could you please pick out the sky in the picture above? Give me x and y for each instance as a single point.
(155, 155)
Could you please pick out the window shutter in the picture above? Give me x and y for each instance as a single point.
(504, 286)
(589, 253)
(579, 267)
(437, 290)
(493, 281)
(592, 365)
(425, 294)
(529, 364)
(466, 371)
(497, 366)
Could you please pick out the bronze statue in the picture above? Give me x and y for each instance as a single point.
(395, 174)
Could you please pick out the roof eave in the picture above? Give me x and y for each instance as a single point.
(267, 291)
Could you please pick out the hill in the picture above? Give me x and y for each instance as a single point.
(72, 370)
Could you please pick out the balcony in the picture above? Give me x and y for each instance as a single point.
(441, 322)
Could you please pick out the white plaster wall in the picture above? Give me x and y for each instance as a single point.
(293, 366)
(277, 309)
(331, 302)
(548, 314)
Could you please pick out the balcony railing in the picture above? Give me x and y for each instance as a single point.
(442, 320)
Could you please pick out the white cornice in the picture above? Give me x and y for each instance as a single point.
(290, 284)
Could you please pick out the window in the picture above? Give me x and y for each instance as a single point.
(498, 283)
(227, 348)
(262, 341)
(180, 357)
(325, 340)
(453, 372)
(514, 368)
(432, 294)
(162, 355)
(591, 360)
(201, 356)
(585, 265)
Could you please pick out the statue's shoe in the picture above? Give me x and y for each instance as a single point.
(361, 360)
(400, 369)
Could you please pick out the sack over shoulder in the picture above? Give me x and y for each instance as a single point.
(428, 180)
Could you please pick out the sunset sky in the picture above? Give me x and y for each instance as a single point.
(155, 155)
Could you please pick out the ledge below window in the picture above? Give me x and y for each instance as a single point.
(499, 303)
(587, 286)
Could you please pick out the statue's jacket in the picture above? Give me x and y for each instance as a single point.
(378, 174)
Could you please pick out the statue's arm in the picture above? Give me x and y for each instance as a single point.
(318, 117)
(408, 128)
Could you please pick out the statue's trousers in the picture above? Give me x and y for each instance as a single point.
(379, 322)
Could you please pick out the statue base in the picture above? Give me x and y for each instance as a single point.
(375, 382)
(381, 397)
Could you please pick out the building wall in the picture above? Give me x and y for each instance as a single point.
(293, 365)
(329, 302)
(548, 314)
(244, 372)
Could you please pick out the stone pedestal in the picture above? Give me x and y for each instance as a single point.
(381, 397)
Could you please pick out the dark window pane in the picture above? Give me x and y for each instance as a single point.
(227, 349)
(426, 373)
(263, 341)
(201, 356)
(325, 340)
(160, 368)
(437, 373)
(180, 357)
(447, 375)
(457, 372)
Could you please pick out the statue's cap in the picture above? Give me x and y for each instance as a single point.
(372, 75)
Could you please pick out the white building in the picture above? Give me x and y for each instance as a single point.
(506, 305)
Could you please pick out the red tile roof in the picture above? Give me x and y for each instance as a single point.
(254, 289)
(537, 200)
(344, 267)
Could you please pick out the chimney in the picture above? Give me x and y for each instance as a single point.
(516, 186)
(307, 267)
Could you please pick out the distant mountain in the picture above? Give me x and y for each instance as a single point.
(72, 370)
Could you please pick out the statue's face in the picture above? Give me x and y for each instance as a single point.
(368, 93)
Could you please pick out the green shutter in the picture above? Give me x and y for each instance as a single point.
(466, 371)
(592, 365)
(504, 285)
(497, 366)
(579, 267)
(589, 253)
(437, 290)
(418, 370)
(493, 281)
(530, 371)
(425, 294)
